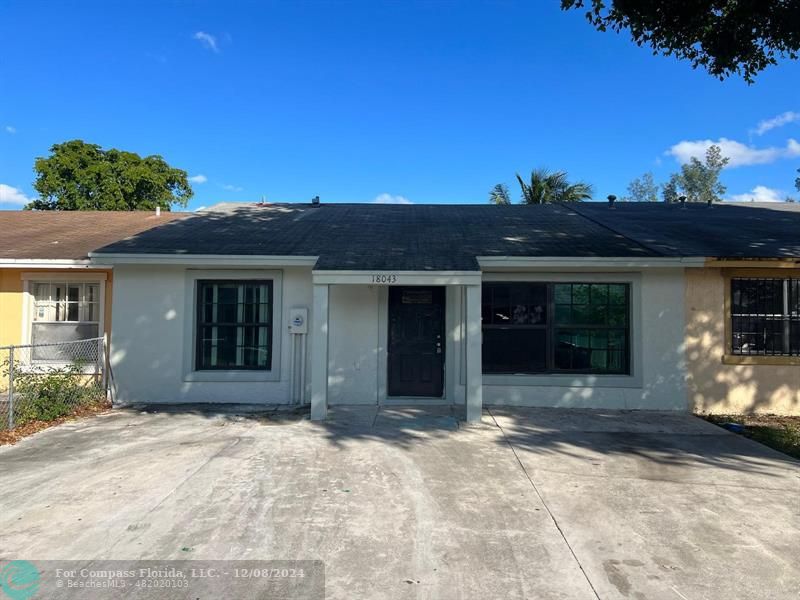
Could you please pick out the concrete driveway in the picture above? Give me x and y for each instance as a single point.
(408, 504)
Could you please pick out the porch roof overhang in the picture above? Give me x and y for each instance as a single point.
(388, 277)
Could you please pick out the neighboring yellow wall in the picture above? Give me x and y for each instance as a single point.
(10, 306)
(11, 302)
(718, 388)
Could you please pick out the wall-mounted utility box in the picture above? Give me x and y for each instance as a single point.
(298, 320)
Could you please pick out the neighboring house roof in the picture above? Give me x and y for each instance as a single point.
(415, 237)
(722, 230)
(70, 235)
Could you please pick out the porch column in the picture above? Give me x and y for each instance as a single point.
(319, 353)
(474, 378)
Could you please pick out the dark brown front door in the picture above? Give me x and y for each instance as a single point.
(416, 341)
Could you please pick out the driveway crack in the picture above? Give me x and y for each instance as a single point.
(546, 507)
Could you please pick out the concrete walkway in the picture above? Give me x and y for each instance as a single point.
(532, 503)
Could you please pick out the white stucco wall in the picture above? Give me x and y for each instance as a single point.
(152, 330)
(658, 379)
(353, 345)
(153, 324)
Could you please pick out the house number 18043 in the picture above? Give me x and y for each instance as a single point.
(384, 278)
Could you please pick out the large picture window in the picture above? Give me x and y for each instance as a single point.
(234, 325)
(533, 327)
(765, 316)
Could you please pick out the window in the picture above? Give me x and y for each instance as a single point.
(63, 311)
(556, 328)
(765, 316)
(234, 325)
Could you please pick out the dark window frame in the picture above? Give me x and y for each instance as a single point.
(199, 323)
(552, 328)
(783, 311)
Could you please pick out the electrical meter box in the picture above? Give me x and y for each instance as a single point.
(298, 320)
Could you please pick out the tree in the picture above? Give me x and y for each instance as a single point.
(722, 36)
(499, 194)
(699, 180)
(797, 182)
(669, 191)
(545, 187)
(81, 176)
(643, 189)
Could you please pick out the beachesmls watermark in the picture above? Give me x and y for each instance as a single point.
(162, 580)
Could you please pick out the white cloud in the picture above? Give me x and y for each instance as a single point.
(208, 40)
(740, 154)
(389, 199)
(775, 122)
(12, 195)
(232, 188)
(10, 129)
(760, 193)
(198, 178)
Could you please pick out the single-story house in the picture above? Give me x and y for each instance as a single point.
(50, 291)
(637, 306)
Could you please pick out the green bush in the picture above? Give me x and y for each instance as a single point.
(47, 393)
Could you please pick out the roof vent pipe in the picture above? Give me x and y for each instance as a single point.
(683, 201)
(158, 211)
(611, 199)
(710, 203)
(315, 201)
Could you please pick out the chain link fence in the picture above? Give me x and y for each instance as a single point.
(42, 382)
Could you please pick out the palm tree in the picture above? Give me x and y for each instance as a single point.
(546, 186)
(499, 194)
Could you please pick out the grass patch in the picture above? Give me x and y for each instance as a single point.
(777, 432)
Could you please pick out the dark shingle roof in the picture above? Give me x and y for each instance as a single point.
(382, 236)
(450, 237)
(69, 235)
(723, 230)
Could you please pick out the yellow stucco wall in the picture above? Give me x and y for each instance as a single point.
(719, 388)
(11, 306)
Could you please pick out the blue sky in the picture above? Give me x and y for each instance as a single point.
(426, 102)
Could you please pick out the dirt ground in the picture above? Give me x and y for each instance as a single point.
(12, 436)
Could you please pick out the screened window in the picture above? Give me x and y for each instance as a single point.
(234, 325)
(765, 316)
(65, 311)
(556, 327)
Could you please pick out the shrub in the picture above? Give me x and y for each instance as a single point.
(47, 393)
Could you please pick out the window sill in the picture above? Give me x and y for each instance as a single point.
(737, 359)
(231, 376)
(566, 380)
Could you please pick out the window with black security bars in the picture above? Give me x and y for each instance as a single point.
(765, 316)
(554, 327)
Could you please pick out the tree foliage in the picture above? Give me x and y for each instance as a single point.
(643, 189)
(545, 186)
(699, 180)
(499, 194)
(81, 176)
(797, 182)
(722, 36)
(669, 191)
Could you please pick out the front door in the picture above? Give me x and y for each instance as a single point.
(416, 341)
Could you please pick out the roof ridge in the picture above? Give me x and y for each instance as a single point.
(614, 231)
